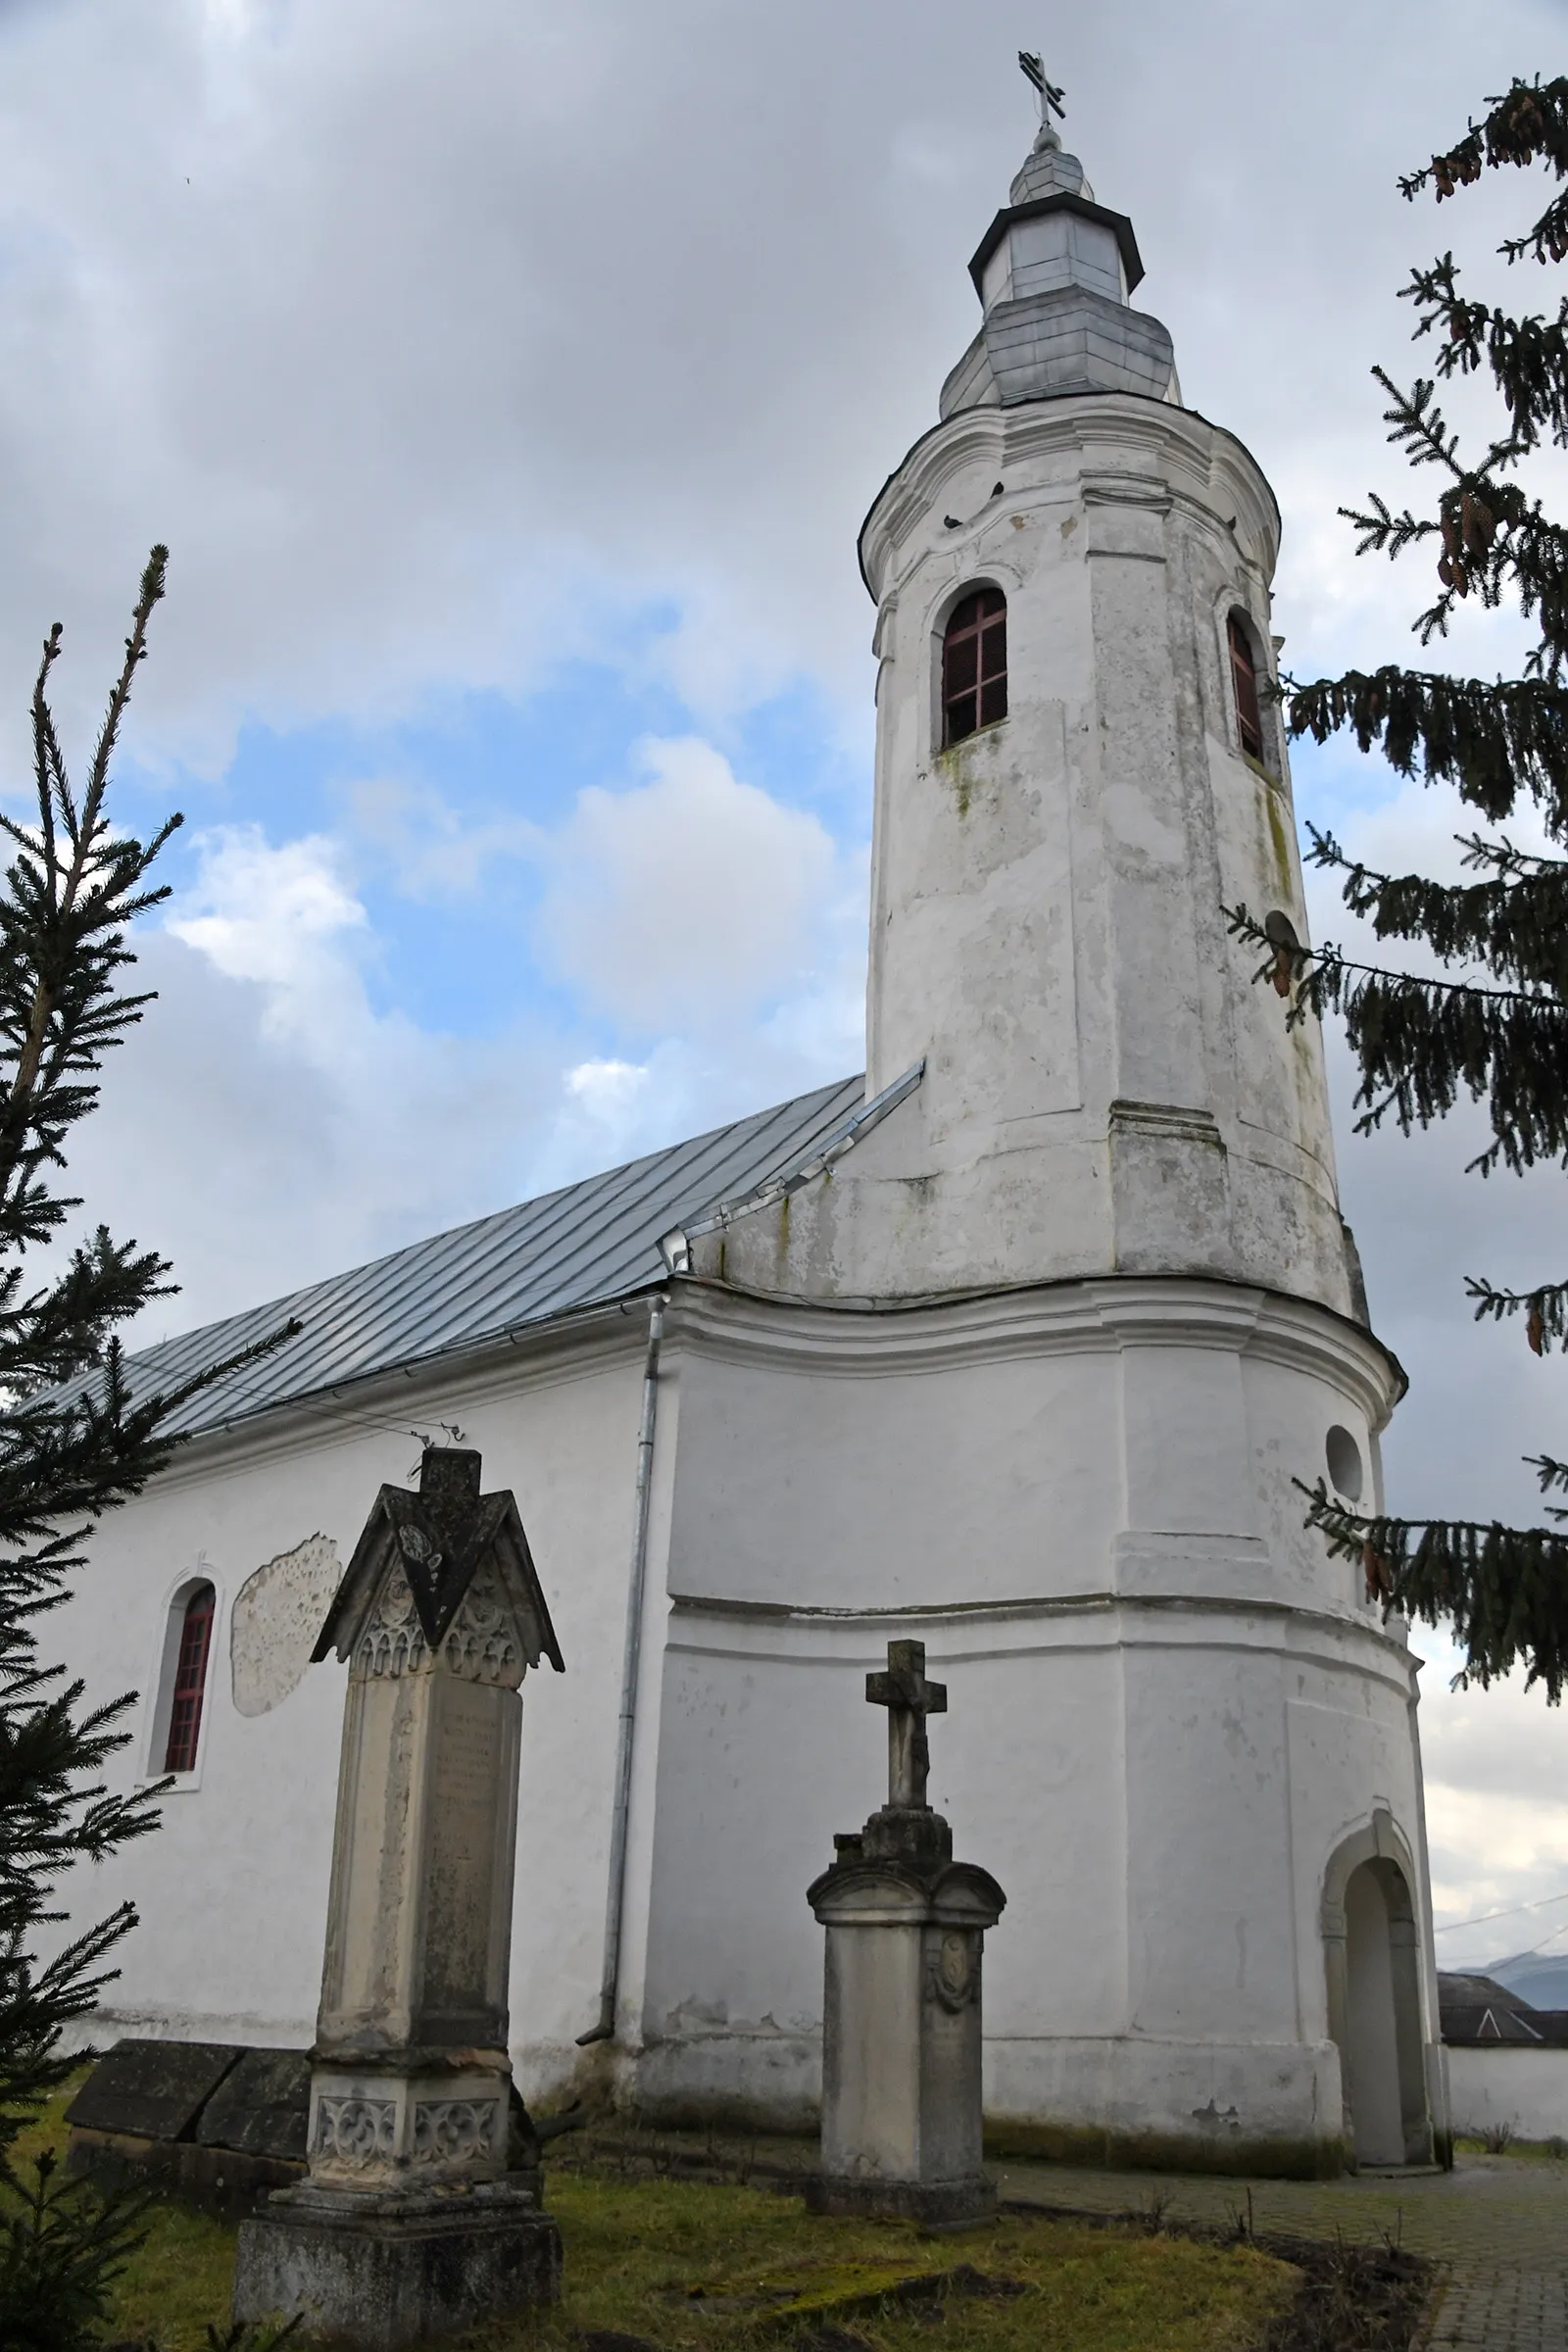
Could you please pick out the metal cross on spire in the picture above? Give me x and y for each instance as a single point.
(1051, 95)
(909, 1700)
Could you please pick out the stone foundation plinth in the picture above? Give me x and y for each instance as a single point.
(930, 2201)
(390, 2269)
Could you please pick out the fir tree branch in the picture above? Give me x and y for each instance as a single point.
(73, 888)
(1499, 1587)
(1422, 1044)
(1528, 124)
(74, 1439)
(1525, 356)
(1494, 743)
(1516, 923)
(1544, 1308)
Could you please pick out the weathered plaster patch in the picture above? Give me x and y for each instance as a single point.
(277, 1614)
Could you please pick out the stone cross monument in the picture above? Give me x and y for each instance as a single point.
(420, 2211)
(900, 2023)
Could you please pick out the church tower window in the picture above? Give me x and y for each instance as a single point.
(974, 666)
(1243, 680)
(190, 1680)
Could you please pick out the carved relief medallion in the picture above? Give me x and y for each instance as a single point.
(953, 1975)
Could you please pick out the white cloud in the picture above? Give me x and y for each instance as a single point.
(265, 1125)
(436, 336)
(285, 918)
(432, 852)
(606, 1088)
(689, 900)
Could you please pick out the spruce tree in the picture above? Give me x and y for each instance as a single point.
(75, 1442)
(1497, 1030)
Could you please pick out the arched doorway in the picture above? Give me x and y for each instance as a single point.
(1374, 1985)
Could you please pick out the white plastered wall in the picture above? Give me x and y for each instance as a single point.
(1509, 2082)
(232, 1890)
(1158, 1733)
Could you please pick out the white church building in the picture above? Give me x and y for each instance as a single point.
(1016, 1346)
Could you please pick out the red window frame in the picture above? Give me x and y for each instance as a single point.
(190, 1680)
(1244, 682)
(974, 666)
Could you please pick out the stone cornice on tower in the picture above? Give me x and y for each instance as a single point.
(1208, 466)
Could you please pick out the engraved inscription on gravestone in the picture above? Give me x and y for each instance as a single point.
(464, 1863)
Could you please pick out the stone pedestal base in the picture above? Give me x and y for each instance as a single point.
(901, 2022)
(383, 2271)
(932, 2201)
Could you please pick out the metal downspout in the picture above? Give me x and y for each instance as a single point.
(615, 1905)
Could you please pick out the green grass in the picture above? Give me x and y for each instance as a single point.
(696, 2267)
(637, 2250)
(1527, 2151)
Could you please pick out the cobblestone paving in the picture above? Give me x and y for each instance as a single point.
(1500, 2224)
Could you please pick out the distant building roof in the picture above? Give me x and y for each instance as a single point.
(1478, 2009)
(584, 1245)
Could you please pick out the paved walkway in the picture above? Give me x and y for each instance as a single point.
(1500, 2224)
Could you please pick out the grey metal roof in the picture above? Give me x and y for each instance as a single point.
(581, 1247)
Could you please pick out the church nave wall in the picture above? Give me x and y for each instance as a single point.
(232, 1889)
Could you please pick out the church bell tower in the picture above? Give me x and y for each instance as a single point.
(1080, 1308)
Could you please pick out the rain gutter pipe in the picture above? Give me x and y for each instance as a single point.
(615, 1905)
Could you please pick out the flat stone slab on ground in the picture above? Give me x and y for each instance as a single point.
(261, 2106)
(151, 2089)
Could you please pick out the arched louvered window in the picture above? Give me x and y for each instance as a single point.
(190, 1680)
(1244, 682)
(974, 666)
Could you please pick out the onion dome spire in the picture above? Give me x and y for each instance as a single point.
(1054, 272)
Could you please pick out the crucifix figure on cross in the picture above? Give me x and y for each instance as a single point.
(909, 1700)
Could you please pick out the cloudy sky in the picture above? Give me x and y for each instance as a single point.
(510, 382)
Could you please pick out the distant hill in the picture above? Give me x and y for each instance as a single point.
(1539, 1977)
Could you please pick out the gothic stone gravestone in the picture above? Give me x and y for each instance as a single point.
(901, 2024)
(413, 2217)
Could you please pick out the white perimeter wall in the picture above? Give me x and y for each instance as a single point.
(1509, 2082)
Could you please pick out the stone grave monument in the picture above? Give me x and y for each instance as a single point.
(420, 2209)
(215, 2121)
(901, 2021)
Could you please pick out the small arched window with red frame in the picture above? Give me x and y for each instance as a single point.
(974, 666)
(190, 1680)
(1244, 684)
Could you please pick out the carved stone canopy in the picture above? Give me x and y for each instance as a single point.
(438, 1540)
